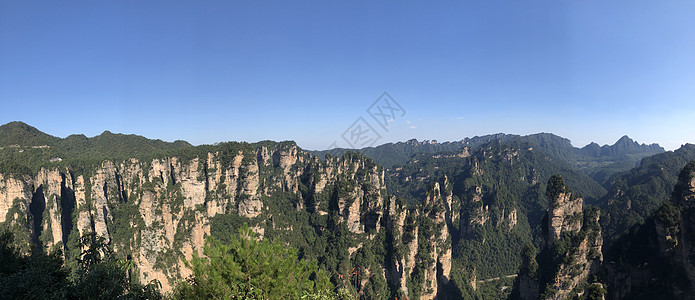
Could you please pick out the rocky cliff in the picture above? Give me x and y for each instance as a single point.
(656, 259)
(421, 238)
(157, 213)
(571, 251)
(436, 217)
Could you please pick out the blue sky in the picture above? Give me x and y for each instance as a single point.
(209, 71)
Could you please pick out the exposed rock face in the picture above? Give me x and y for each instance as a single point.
(351, 212)
(680, 241)
(512, 219)
(586, 259)
(84, 218)
(250, 205)
(441, 201)
(666, 243)
(684, 191)
(158, 212)
(359, 205)
(401, 264)
(54, 186)
(15, 203)
(572, 249)
(408, 262)
(564, 215)
(477, 216)
(286, 159)
(103, 184)
(431, 259)
(13, 191)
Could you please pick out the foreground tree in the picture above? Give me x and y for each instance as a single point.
(100, 275)
(104, 276)
(252, 269)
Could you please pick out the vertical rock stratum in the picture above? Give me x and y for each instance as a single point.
(158, 212)
(571, 251)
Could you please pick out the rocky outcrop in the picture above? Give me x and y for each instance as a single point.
(13, 192)
(666, 243)
(157, 212)
(564, 215)
(431, 260)
(358, 186)
(15, 209)
(440, 200)
(684, 191)
(512, 218)
(580, 261)
(478, 213)
(250, 205)
(403, 261)
(103, 186)
(84, 217)
(571, 252)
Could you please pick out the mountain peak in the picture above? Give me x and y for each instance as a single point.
(625, 140)
(18, 126)
(412, 142)
(20, 133)
(627, 145)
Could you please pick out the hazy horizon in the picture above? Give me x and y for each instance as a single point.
(308, 71)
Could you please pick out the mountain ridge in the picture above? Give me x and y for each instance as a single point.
(20, 133)
(598, 162)
(23, 134)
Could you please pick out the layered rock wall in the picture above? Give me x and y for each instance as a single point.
(158, 212)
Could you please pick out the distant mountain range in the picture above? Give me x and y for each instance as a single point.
(21, 134)
(599, 162)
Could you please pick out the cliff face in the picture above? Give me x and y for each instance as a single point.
(157, 213)
(655, 259)
(564, 215)
(580, 261)
(477, 216)
(438, 208)
(14, 193)
(571, 252)
(422, 238)
(15, 201)
(665, 261)
(684, 191)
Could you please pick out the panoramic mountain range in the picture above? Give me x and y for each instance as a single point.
(490, 217)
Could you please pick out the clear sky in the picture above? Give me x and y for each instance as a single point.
(212, 71)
